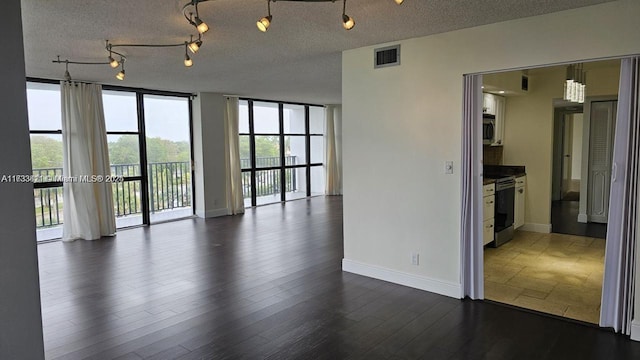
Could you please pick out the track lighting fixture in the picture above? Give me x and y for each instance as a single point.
(399, 2)
(347, 21)
(194, 19)
(120, 75)
(187, 59)
(194, 46)
(263, 24)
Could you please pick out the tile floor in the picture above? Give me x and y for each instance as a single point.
(553, 273)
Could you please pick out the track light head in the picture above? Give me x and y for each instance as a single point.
(113, 62)
(347, 22)
(201, 25)
(67, 76)
(188, 62)
(120, 75)
(194, 46)
(263, 24)
(399, 2)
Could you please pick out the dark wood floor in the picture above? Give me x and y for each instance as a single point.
(269, 284)
(564, 220)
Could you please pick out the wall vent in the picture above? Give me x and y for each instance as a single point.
(386, 56)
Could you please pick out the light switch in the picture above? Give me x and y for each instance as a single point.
(448, 167)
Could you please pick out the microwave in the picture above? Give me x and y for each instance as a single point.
(488, 129)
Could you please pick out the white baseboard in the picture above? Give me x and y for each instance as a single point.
(212, 213)
(583, 218)
(635, 330)
(398, 277)
(539, 228)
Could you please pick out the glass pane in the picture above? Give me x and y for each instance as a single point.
(268, 186)
(46, 157)
(296, 183)
(266, 119)
(127, 203)
(317, 149)
(49, 213)
(124, 155)
(120, 111)
(245, 152)
(246, 188)
(43, 104)
(267, 151)
(316, 120)
(295, 150)
(168, 157)
(243, 127)
(294, 119)
(317, 180)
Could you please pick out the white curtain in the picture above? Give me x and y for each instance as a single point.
(235, 200)
(471, 171)
(88, 204)
(619, 278)
(332, 169)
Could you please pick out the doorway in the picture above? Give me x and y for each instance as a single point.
(544, 268)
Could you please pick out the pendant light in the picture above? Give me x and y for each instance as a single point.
(263, 24)
(347, 21)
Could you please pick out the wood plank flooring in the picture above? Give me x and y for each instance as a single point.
(269, 285)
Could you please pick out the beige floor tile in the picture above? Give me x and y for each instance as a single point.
(554, 273)
(540, 305)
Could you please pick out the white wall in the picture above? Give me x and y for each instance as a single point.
(20, 315)
(400, 124)
(208, 154)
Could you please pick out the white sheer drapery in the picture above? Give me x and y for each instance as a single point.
(88, 201)
(332, 173)
(619, 278)
(235, 200)
(471, 172)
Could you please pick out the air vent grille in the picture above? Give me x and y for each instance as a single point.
(387, 56)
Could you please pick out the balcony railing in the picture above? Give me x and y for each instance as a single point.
(169, 188)
(268, 181)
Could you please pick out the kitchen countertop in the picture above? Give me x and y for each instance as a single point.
(498, 171)
(487, 181)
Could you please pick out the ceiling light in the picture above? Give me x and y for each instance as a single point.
(501, 92)
(263, 24)
(347, 21)
(187, 60)
(194, 46)
(113, 62)
(399, 2)
(201, 25)
(120, 75)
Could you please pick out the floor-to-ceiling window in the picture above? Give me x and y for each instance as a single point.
(45, 126)
(149, 139)
(281, 151)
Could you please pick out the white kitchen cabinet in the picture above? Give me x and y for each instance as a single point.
(489, 104)
(519, 202)
(500, 104)
(488, 201)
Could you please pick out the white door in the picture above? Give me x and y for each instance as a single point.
(602, 118)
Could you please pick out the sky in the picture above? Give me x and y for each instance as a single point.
(165, 117)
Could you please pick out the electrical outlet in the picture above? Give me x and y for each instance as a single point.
(448, 167)
(415, 259)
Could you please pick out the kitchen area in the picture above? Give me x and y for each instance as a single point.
(526, 264)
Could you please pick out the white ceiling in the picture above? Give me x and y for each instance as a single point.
(298, 59)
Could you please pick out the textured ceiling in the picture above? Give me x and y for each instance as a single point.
(298, 59)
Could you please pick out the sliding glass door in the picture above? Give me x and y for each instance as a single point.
(168, 145)
(281, 150)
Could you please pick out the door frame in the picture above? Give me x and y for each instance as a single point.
(559, 112)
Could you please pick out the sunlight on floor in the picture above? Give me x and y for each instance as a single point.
(553, 273)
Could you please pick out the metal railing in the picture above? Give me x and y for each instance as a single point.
(268, 182)
(169, 188)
